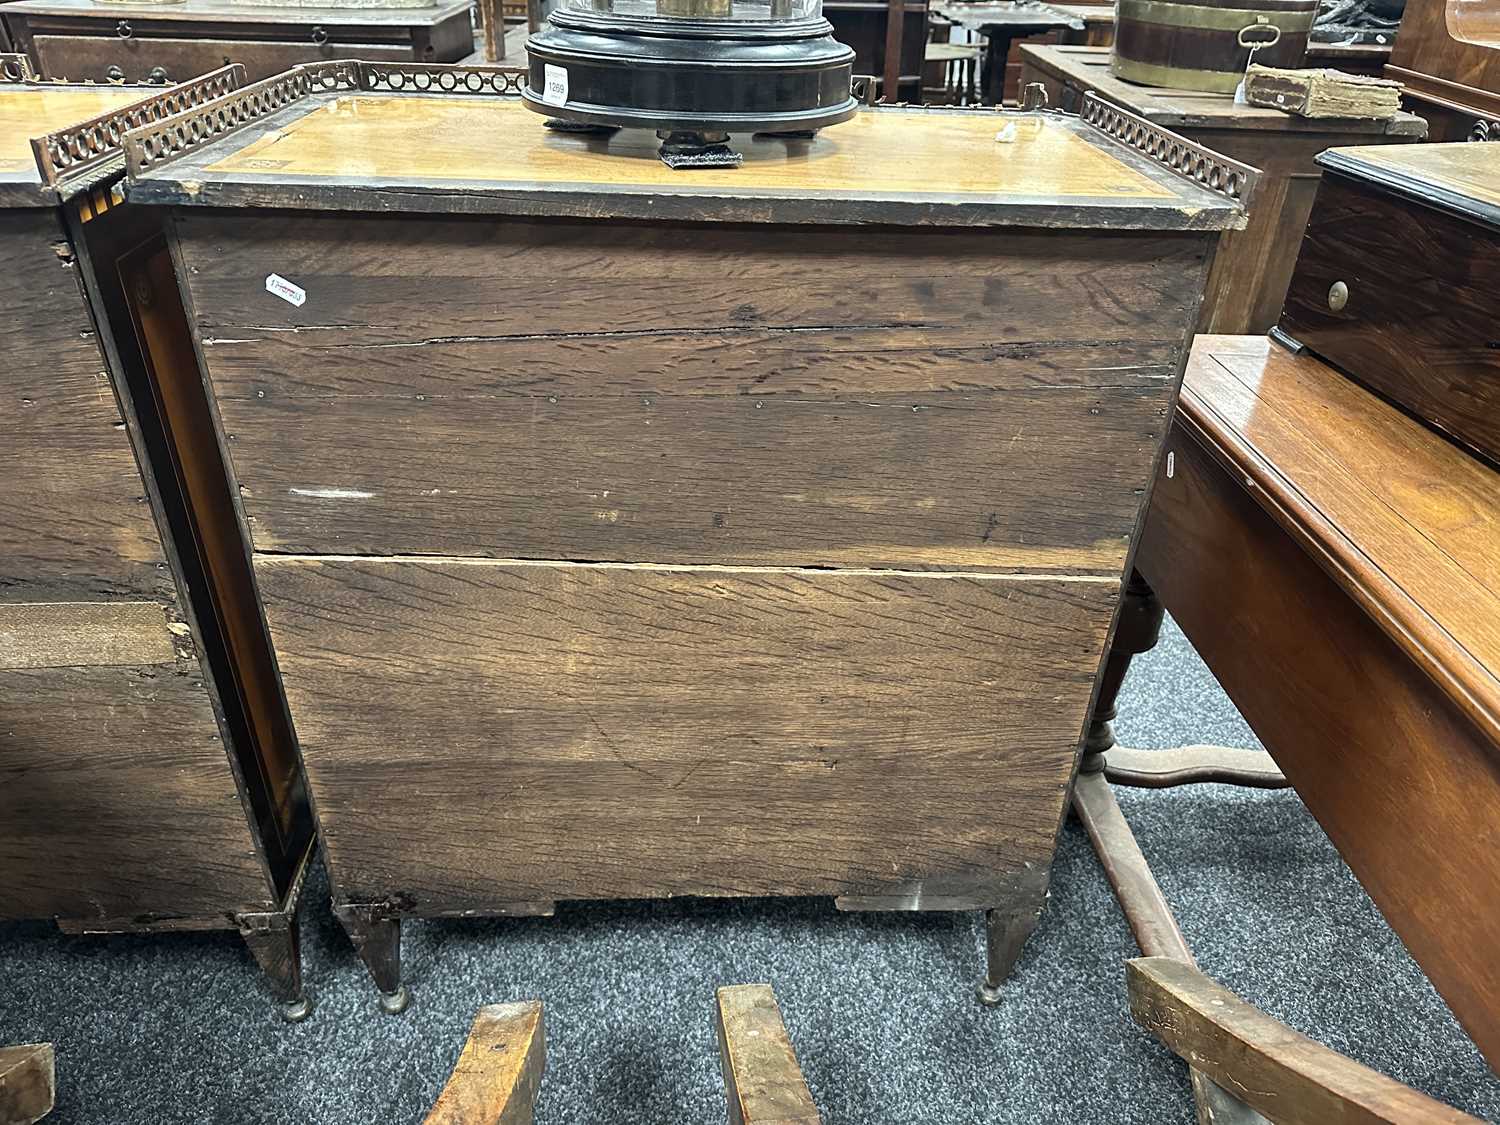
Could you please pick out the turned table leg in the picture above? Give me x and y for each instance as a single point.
(1138, 630)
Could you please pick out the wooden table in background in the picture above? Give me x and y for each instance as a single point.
(84, 40)
(1368, 59)
(1254, 267)
(1448, 58)
(1001, 23)
(1336, 564)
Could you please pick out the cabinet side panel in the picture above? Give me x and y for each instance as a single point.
(116, 798)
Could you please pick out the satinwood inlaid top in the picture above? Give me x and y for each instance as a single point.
(957, 152)
(378, 151)
(29, 111)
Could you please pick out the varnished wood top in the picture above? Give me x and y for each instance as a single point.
(367, 151)
(1087, 68)
(1405, 521)
(32, 111)
(332, 14)
(1462, 177)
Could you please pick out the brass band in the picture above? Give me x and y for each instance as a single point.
(1176, 77)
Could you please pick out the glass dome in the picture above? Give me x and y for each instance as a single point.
(739, 11)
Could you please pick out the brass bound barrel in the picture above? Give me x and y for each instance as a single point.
(1206, 45)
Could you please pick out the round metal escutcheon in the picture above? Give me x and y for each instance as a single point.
(1338, 296)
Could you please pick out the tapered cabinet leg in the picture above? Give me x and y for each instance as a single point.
(1006, 931)
(274, 941)
(376, 934)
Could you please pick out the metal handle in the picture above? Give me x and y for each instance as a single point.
(158, 76)
(1259, 44)
(1033, 98)
(115, 74)
(124, 30)
(319, 36)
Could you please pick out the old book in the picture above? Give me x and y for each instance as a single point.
(1322, 93)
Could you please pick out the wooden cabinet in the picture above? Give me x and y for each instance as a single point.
(1397, 279)
(84, 40)
(151, 781)
(626, 532)
(862, 25)
(1254, 267)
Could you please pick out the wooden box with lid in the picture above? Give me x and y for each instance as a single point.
(148, 777)
(175, 40)
(628, 532)
(1397, 279)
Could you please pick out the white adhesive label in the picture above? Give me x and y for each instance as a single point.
(281, 287)
(556, 90)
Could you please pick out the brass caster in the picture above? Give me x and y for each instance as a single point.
(394, 1003)
(990, 994)
(295, 1011)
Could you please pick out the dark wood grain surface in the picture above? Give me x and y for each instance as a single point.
(751, 396)
(75, 524)
(117, 800)
(1335, 563)
(541, 731)
(1419, 324)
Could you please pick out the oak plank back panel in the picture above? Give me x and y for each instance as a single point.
(791, 412)
(563, 731)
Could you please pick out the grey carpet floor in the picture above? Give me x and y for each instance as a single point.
(880, 1007)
